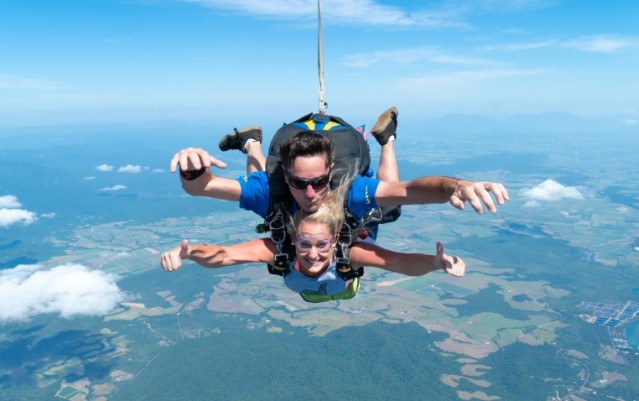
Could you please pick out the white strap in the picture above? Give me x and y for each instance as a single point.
(320, 61)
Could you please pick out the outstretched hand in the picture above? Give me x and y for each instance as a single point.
(477, 192)
(194, 159)
(453, 265)
(172, 260)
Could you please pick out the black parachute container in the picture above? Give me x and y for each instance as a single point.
(352, 155)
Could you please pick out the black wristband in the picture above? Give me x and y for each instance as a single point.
(190, 175)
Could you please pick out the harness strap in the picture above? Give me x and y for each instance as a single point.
(351, 229)
(276, 222)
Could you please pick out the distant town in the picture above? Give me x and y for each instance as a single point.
(614, 317)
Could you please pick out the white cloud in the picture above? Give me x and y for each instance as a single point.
(47, 215)
(593, 44)
(121, 255)
(409, 56)
(118, 187)
(630, 121)
(9, 201)
(131, 169)
(90, 178)
(549, 191)
(13, 216)
(68, 290)
(12, 82)
(360, 12)
(603, 44)
(456, 83)
(159, 170)
(513, 47)
(104, 167)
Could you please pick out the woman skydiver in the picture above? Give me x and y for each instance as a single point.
(313, 271)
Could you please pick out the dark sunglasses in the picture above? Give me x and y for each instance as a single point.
(301, 183)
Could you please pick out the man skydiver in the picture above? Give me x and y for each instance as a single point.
(307, 168)
(248, 140)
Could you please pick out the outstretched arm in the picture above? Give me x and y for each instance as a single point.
(261, 250)
(207, 184)
(440, 190)
(410, 264)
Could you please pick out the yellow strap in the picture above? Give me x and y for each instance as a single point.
(330, 125)
(310, 124)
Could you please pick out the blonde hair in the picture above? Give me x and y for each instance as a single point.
(330, 211)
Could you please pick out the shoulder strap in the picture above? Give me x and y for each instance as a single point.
(285, 251)
(351, 229)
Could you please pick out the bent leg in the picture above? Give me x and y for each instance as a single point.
(255, 159)
(247, 140)
(385, 132)
(388, 169)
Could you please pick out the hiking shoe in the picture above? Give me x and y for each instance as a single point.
(386, 126)
(237, 139)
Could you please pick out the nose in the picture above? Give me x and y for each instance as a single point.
(309, 192)
(313, 253)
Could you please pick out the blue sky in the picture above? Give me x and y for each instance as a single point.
(119, 61)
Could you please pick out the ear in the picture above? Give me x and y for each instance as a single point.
(335, 238)
(284, 173)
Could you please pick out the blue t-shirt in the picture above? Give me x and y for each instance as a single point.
(256, 194)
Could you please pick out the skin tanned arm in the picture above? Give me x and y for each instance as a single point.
(212, 256)
(207, 184)
(212, 186)
(410, 264)
(426, 190)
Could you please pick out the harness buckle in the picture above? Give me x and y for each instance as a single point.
(279, 270)
(374, 216)
(346, 271)
(278, 236)
(345, 235)
(278, 228)
(281, 260)
(345, 238)
(343, 265)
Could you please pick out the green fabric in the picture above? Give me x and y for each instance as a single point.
(348, 293)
